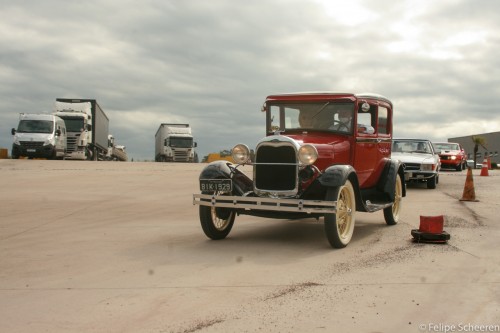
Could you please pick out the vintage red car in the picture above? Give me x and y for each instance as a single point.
(325, 155)
(452, 155)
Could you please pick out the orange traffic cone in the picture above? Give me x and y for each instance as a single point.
(431, 230)
(469, 193)
(489, 163)
(484, 168)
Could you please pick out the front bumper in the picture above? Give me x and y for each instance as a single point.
(268, 204)
(76, 155)
(418, 175)
(450, 163)
(40, 151)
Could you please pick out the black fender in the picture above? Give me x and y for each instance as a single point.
(387, 181)
(336, 175)
(224, 169)
(216, 169)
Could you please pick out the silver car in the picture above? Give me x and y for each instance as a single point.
(421, 161)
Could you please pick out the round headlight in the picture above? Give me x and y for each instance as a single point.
(240, 154)
(308, 154)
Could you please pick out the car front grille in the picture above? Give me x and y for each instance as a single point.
(31, 144)
(412, 166)
(71, 140)
(275, 168)
(180, 155)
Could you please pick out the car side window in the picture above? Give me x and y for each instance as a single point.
(382, 120)
(366, 120)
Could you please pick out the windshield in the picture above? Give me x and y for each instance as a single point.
(35, 126)
(411, 146)
(73, 124)
(325, 116)
(446, 146)
(181, 142)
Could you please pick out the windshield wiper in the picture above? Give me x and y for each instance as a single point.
(320, 109)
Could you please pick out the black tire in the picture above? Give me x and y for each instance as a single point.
(431, 182)
(339, 227)
(391, 214)
(216, 222)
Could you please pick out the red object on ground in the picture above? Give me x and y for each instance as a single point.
(484, 169)
(431, 230)
(431, 224)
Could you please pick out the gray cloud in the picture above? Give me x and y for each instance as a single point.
(212, 63)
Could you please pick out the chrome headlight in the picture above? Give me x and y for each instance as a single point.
(240, 154)
(427, 167)
(308, 154)
(48, 141)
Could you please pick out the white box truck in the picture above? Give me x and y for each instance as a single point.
(174, 143)
(87, 126)
(39, 136)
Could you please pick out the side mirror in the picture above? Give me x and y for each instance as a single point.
(195, 145)
(89, 127)
(13, 131)
(58, 132)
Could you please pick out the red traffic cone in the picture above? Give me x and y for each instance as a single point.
(484, 168)
(489, 163)
(469, 193)
(431, 230)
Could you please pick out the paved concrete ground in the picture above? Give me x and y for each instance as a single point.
(117, 247)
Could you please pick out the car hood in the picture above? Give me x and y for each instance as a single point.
(33, 136)
(450, 152)
(414, 157)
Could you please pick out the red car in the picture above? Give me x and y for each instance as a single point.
(325, 155)
(452, 155)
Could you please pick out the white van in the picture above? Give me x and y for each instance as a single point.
(39, 135)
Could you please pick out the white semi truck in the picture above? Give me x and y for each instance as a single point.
(174, 143)
(115, 152)
(39, 136)
(87, 126)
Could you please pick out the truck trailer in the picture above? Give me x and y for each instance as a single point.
(87, 128)
(174, 143)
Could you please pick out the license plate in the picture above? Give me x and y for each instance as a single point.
(31, 150)
(216, 185)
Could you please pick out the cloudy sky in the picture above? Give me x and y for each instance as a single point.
(212, 63)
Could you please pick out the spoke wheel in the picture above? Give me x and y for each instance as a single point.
(391, 214)
(216, 222)
(339, 227)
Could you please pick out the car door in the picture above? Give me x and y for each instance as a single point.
(373, 146)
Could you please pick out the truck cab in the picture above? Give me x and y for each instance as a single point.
(39, 136)
(324, 155)
(175, 143)
(78, 119)
(88, 128)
